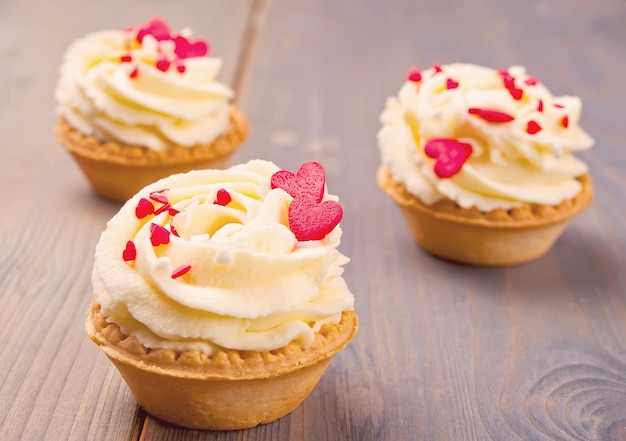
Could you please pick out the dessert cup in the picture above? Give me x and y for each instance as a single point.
(495, 238)
(228, 390)
(219, 296)
(482, 163)
(117, 171)
(142, 103)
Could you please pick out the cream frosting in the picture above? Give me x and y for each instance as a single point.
(528, 158)
(249, 285)
(147, 94)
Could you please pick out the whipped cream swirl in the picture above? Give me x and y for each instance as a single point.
(521, 137)
(144, 86)
(206, 259)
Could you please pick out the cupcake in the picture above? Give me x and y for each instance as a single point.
(481, 162)
(218, 294)
(142, 103)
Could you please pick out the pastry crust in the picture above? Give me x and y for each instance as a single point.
(495, 238)
(118, 171)
(228, 389)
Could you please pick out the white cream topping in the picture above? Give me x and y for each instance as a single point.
(251, 285)
(508, 165)
(99, 95)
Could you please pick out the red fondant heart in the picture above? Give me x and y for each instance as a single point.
(492, 116)
(158, 196)
(163, 65)
(159, 235)
(188, 49)
(414, 75)
(130, 252)
(310, 220)
(180, 271)
(451, 84)
(450, 155)
(222, 198)
(144, 208)
(533, 127)
(157, 27)
(308, 181)
(162, 209)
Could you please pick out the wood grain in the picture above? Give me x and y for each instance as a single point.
(444, 351)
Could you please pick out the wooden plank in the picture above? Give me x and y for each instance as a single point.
(54, 383)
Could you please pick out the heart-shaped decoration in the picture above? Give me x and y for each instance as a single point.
(180, 271)
(414, 75)
(310, 220)
(130, 252)
(157, 27)
(309, 181)
(492, 116)
(144, 208)
(159, 235)
(163, 65)
(222, 198)
(188, 49)
(533, 127)
(451, 84)
(450, 155)
(158, 196)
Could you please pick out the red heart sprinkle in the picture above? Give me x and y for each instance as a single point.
(126, 58)
(187, 49)
(492, 116)
(516, 93)
(173, 211)
(181, 68)
(163, 65)
(134, 73)
(162, 209)
(559, 106)
(308, 181)
(130, 252)
(157, 27)
(450, 155)
(531, 81)
(533, 127)
(509, 82)
(540, 106)
(438, 69)
(507, 78)
(174, 230)
(451, 84)
(223, 197)
(159, 235)
(414, 75)
(144, 208)
(157, 196)
(181, 271)
(310, 220)
(565, 122)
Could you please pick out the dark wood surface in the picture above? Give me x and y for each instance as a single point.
(444, 352)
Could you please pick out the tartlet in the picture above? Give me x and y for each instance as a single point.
(481, 163)
(225, 391)
(143, 103)
(495, 238)
(219, 300)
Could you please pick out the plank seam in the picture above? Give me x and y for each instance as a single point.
(254, 25)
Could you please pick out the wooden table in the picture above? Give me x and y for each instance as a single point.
(444, 352)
